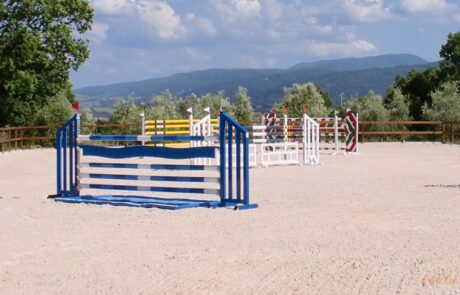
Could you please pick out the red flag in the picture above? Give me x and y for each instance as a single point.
(305, 110)
(285, 110)
(76, 106)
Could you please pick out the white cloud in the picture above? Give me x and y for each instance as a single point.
(114, 7)
(236, 9)
(159, 16)
(98, 32)
(366, 10)
(201, 24)
(354, 48)
(161, 19)
(427, 6)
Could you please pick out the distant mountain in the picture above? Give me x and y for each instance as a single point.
(341, 78)
(354, 64)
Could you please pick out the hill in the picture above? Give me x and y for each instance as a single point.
(341, 78)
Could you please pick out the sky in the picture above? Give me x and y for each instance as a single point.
(140, 39)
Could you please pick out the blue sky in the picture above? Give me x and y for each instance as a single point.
(140, 39)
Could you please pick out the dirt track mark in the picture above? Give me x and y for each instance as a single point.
(443, 185)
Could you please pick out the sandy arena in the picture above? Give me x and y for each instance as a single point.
(384, 222)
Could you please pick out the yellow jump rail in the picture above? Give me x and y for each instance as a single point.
(174, 127)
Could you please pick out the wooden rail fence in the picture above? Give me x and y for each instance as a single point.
(441, 130)
(29, 136)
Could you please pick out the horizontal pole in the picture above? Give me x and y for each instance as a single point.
(145, 138)
(403, 133)
(147, 151)
(400, 122)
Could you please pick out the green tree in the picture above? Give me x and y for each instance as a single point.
(398, 106)
(213, 101)
(128, 113)
(297, 97)
(56, 111)
(242, 109)
(191, 101)
(417, 87)
(446, 103)
(164, 106)
(369, 108)
(450, 53)
(40, 42)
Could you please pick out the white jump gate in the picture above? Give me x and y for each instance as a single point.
(283, 152)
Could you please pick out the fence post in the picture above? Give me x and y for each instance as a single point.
(443, 140)
(21, 142)
(9, 139)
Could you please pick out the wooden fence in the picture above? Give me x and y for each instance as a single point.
(410, 130)
(30, 136)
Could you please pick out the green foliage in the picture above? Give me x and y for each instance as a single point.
(297, 97)
(398, 106)
(417, 87)
(86, 117)
(86, 120)
(450, 52)
(198, 104)
(39, 44)
(446, 103)
(164, 106)
(192, 101)
(242, 110)
(128, 113)
(369, 108)
(56, 111)
(209, 100)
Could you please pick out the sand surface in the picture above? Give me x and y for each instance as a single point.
(384, 222)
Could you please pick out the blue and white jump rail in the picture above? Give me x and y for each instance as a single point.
(82, 167)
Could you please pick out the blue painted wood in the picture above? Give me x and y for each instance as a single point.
(64, 159)
(148, 151)
(71, 142)
(77, 130)
(238, 165)
(58, 161)
(222, 140)
(147, 138)
(245, 168)
(150, 166)
(137, 201)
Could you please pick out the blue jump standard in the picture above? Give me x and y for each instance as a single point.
(233, 191)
